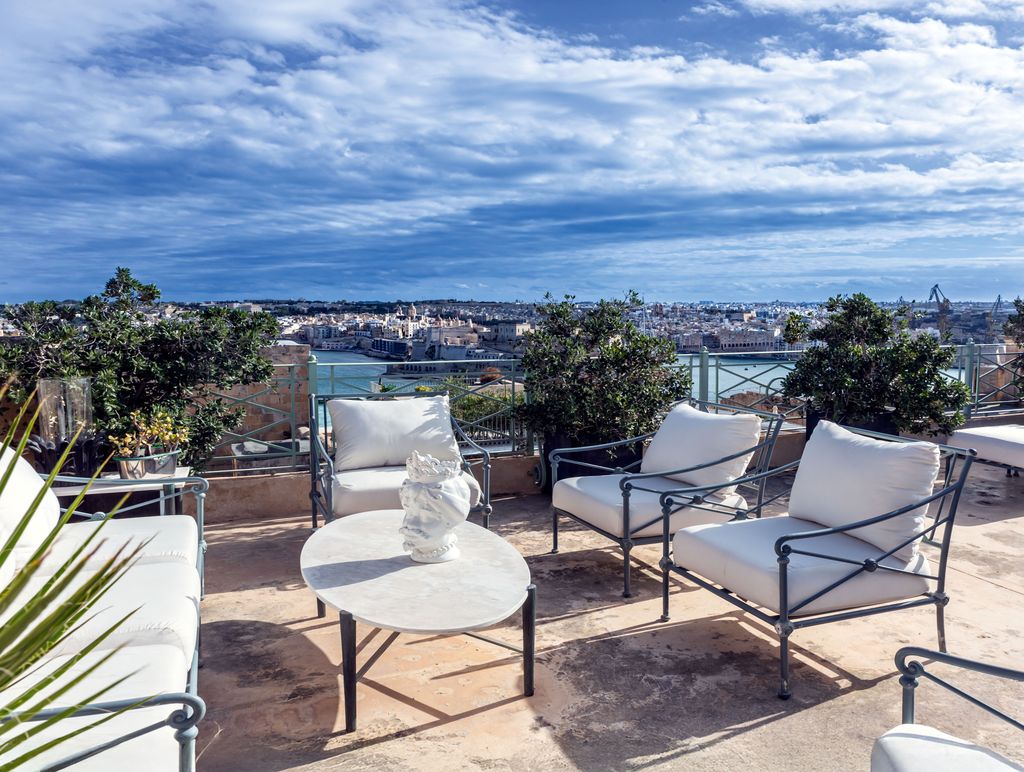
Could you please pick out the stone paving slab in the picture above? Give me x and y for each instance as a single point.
(616, 689)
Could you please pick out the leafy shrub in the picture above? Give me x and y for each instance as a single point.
(867, 364)
(139, 363)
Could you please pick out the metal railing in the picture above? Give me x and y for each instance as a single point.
(485, 392)
(273, 442)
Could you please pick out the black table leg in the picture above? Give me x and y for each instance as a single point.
(348, 668)
(529, 638)
(321, 609)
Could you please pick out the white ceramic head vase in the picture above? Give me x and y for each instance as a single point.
(436, 499)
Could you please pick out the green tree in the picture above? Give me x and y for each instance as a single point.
(1014, 329)
(593, 376)
(867, 364)
(140, 362)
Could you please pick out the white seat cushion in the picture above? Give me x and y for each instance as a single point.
(374, 433)
(598, 500)
(845, 477)
(171, 538)
(740, 556)
(161, 670)
(166, 596)
(689, 437)
(15, 499)
(1002, 444)
(362, 490)
(915, 748)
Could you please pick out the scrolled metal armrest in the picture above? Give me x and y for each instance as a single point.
(739, 454)
(179, 719)
(469, 440)
(781, 544)
(915, 669)
(666, 496)
(603, 446)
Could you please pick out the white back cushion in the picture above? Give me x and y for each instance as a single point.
(688, 437)
(21, 489)
(386, 432)
(844, 477)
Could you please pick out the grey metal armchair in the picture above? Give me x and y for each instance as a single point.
(624, 505)
(916, 746)
(841, 576)
(384, 490)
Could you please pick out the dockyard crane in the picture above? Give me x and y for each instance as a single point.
(990, 322)
(943, 306)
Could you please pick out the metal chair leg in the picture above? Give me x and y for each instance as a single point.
(554, 532)
(784, 690)
(940, 624)
(626, 546)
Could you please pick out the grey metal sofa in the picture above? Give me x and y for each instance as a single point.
(792, 572)
(382, 481)
(624, 504)
(916, 746)
(157, 660)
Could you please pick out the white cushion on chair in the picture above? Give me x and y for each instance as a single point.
(1002, 444)
(740, 556)
(362, 490)
(845, 477)
(598, 500)
(171, 538)
(22, 487)
(688, 437)
(375, 433)
(914, 747)
(166, 596)
(161, 669)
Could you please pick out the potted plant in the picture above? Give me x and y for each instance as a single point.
(151, 447)
(593, 376)
(865, 368)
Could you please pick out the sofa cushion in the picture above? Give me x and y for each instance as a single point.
(170, 538)
(362, 490)
(1002, 444)
(914, 747)
(598, 500)
(22, 487)
(150, 670)
(166, 596)
(374, 433)
(688, 437)
(741, 557)
(845, 477)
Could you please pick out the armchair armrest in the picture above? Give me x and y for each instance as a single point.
(645, 475)
(603, 446)
(913, 670)
(695, 491)
(782, 543)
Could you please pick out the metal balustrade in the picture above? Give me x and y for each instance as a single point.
(487, 408)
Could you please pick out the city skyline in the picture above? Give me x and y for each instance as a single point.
(733, 149)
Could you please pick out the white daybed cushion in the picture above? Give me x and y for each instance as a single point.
(914, 747)
(688, 437)
(161, 670)
(598, 501)
(23, 486)
(362, 490)
(166, 596)
(845, 477)
(741, 557)
(1002, 444)
(373, 433)
(171, 538)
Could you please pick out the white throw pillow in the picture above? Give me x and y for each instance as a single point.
(844, 477)
(23, 486)
(688, 437)
(386, 432)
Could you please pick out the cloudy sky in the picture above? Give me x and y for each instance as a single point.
(724, 149)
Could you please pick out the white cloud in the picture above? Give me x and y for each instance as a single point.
(327, 126)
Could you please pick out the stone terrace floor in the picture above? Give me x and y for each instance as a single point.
(616, 689)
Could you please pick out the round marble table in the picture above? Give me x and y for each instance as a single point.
(357, 566)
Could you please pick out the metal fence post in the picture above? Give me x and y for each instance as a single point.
(703, 373)
(972, 376)
(311, 374)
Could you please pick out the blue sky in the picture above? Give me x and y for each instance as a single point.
(723, 149)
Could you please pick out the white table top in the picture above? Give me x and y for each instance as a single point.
(356, 564)
(112, 483)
